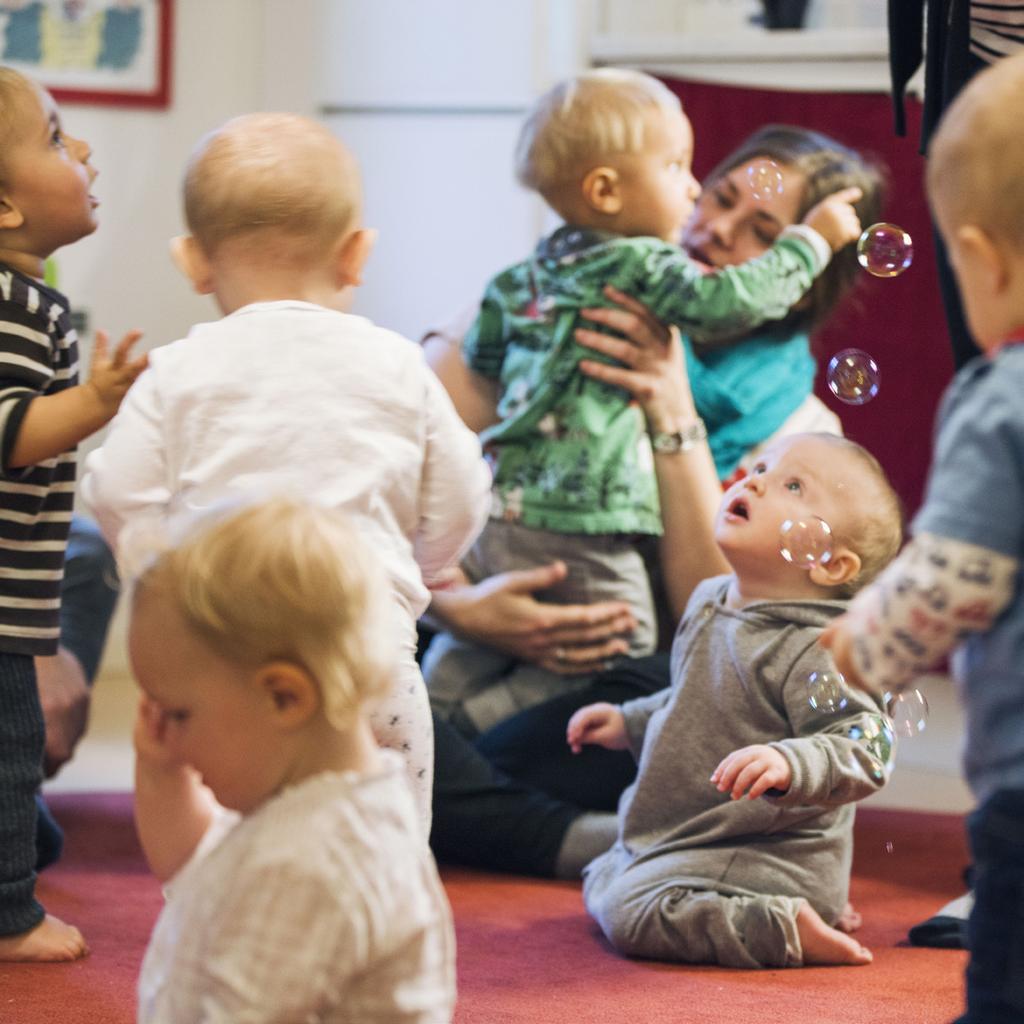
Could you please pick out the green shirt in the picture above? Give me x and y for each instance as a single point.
(571, 454)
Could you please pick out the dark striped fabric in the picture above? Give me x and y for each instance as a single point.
(997, 28)
(38, 356)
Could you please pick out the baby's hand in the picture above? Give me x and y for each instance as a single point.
(150, 738)
(600, 724)
(111, 376)
(752, 770)
(835, 219)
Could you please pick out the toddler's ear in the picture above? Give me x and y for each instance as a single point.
(192, 262)
(351, 256)
(601, 190)
(290, 691)
(981, 255)
(839, 569)
(11, 217)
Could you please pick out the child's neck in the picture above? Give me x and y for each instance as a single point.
(24, 263)
(324, 748)
(236, 289)
(744, 590)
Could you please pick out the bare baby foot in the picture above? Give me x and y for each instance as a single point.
(825, 945)
(849, 920)
(49, 941)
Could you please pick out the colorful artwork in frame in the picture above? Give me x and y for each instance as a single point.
(114, 52)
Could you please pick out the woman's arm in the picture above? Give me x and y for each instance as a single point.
(475, 397)
(653, 370)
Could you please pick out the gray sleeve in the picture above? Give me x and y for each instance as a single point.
(637, 713)
(836, 756)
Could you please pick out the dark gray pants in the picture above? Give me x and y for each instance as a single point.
(21, 774)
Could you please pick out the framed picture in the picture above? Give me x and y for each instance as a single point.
(115, 52)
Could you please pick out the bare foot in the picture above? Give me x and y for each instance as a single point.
(50, 940)
(824, 945)
(849, 920)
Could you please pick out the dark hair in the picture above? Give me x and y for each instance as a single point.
(827, 167)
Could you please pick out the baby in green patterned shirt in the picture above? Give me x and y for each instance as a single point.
(610, 152)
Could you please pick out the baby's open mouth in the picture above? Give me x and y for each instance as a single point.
(740, 508)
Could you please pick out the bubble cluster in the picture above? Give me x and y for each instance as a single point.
(908, 711)
(826, 691)
(885, 250)
(853, 376)
(765, 179)
(805, 542)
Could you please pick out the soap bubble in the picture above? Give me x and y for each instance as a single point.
(908, 711)
(806, 542)
(885, 250)
(825, 691)
(853, 376)
(765, 179)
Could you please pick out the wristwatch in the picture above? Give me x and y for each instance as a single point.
(681, 440)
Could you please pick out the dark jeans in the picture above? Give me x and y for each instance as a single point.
(995, 931)
(88, 595)
(506, 800)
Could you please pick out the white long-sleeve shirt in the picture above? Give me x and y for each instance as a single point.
(292, 398)
(321, 906)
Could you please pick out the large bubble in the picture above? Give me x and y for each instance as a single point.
(853, 376)
(805, 542)
(885, 250)
(765, 178)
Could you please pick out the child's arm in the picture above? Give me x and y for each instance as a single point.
(934, 594)
(455, 487)
(173, 809)
(52, 424)
(127, 478)
(723, 305)
(834, 757)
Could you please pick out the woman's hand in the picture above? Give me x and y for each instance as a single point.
(502, 612)
(653, 366)
(601, 724)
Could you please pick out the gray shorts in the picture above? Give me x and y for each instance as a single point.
(476, 687)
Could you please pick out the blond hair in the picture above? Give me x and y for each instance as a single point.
(277, 173)
(876, 537)
(583, 121)
(13, 86)
(975, 171)
(284, 580)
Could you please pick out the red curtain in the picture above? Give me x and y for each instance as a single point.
(898, 321)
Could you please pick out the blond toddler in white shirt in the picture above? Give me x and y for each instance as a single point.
(288, 394)
(298, 885)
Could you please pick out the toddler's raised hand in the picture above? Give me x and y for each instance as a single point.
(149, 736)
(835, 219)
(837, 638)
(752, 770)
(600, 724)
(110, 376)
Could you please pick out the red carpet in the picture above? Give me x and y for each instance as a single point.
(527, 951)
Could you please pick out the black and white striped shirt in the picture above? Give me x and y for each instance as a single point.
(38, 356)
(997, 28)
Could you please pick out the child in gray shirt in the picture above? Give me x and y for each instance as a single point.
(735, 841)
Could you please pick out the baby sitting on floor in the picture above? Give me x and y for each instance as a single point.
(735, 841)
